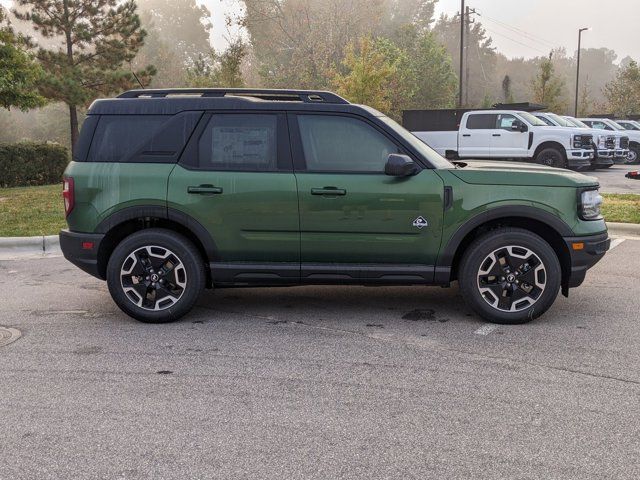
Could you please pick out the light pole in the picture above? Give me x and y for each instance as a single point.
(578, 72)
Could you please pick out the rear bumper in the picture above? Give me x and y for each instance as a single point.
(582, 259)
(82, 249)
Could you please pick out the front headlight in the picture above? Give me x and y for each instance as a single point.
(577, 141)
(602, 141)
(590, 202)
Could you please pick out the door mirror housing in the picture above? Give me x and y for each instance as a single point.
(400, 166)
(518, 126)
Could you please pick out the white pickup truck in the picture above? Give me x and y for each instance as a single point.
(628, 146)
(510, 134)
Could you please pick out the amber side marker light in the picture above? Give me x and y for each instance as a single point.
(578, 246)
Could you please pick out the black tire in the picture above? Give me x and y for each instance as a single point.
(528, 300)
(634, 154)
(155, 275)
(551, 157)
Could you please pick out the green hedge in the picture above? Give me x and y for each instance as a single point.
(27, 164)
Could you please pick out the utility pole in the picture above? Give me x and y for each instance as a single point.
(469, 12)
(462, 28)
(575, 111)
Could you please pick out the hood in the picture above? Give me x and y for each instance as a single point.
(485, 172)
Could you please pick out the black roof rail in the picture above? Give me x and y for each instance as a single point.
(306, 96)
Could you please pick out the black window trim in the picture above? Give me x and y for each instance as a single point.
(297, 150)
(190, 158)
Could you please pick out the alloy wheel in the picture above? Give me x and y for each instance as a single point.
(512, 278)
(153, 278)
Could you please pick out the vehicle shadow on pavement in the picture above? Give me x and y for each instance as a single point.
(371, 305)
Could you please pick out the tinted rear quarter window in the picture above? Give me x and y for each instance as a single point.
(482, 121)
(118, 136)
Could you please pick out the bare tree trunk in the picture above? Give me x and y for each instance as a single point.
(73, 121)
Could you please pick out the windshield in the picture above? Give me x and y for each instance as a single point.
(425, 150)
(546, 120)
(614, 125)
(559, 120)
(531, 120)
(576, 122)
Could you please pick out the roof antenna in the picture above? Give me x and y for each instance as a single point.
(137, 79)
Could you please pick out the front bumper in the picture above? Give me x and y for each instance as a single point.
(579, 159)
(602, 158)
(585, 252)
(82, 250)
(621, 157)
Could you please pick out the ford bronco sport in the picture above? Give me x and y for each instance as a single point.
(172, 191)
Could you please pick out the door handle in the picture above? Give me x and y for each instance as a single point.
(466, 134)
(204, 190)
(496, 135)
(328, 191)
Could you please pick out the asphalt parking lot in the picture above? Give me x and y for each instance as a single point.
(613, 180)
(319, 382)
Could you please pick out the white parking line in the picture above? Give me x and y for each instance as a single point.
(616, 242)
(486, 329)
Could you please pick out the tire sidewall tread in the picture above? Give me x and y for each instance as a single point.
(183, 248)
(483, 246)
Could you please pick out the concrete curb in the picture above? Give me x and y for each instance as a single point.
(20, 246)
(624, 229)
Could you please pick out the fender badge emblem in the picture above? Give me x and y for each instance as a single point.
(420, 222)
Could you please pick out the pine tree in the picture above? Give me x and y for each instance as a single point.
(97, 37)
(507, 95)
(18, 71)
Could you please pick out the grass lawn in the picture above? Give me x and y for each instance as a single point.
(31, 211)
(621, 208)
(34, 211)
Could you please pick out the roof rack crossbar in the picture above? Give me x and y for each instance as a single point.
(306, 96)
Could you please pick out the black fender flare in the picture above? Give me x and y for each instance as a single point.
(447, 254)
(157, 211)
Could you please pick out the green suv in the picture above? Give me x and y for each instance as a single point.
(173, 191)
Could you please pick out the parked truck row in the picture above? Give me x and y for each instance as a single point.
(541, 137)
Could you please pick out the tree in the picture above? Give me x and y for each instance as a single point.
(623, 93)
(585, 104)
(224, 70)
(97, 38)
(299, 43)
(480, 57)
(181, 25)
(19, 73)
(507, 95)
(547, 88)
(368, 75)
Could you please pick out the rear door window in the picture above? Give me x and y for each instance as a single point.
(240, 142)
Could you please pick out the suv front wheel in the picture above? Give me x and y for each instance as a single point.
(155, 275)
(509, 276)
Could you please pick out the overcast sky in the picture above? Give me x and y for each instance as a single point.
(521, 28)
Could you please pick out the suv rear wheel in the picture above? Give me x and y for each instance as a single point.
(155, 275)
(510, 276)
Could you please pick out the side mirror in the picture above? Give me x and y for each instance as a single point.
(518, 126)
(400, 166)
